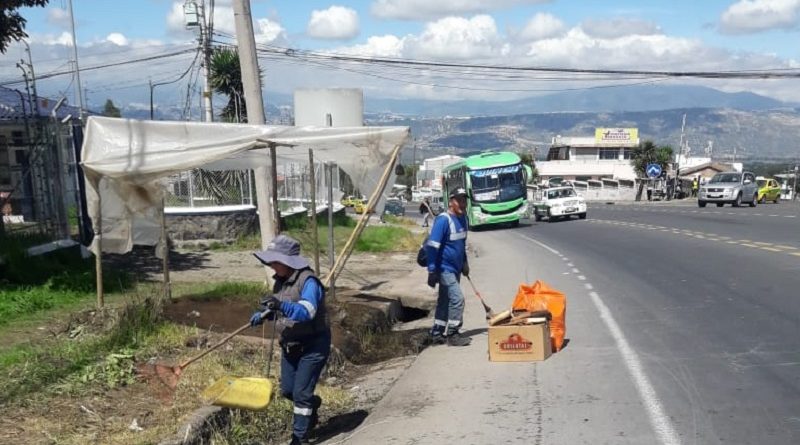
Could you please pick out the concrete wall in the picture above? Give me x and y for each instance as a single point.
(223, 226)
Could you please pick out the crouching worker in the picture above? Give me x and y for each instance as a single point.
(447, 260)
(305, 335)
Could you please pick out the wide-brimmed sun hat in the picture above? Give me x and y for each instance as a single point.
(285, 250)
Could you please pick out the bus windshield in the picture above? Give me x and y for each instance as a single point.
(499, 184)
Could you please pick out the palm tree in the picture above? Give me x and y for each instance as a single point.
(226, 78)
(647, 153)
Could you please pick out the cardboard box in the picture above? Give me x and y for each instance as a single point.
(523, 343)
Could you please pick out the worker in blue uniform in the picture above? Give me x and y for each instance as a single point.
(305, 335)
(447, 260)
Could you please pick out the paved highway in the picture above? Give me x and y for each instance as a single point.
(683, 328)
(708, 301)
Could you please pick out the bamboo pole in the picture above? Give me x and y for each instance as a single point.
(98, 257)
(314, 233)
(276, 216)
(362, 223)
(165, 252)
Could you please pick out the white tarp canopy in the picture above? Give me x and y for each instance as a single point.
(125, 162)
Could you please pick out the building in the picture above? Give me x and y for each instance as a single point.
(430, 174)
(37, 159)
(607, 155)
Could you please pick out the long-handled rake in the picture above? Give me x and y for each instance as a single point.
(489, 312)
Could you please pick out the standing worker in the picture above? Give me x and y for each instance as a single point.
(695, 185)
(305, 335)
(425, 210)
(447, 260)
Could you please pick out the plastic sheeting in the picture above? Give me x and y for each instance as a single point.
(125, 162)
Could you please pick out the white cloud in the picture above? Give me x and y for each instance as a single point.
(335, 23)
(453, 38)
(751, 16)
(268, 31)
(541, 26)
(619, 27)
(265, 30)
(117, 39)
(64, 38)
(58, 17)
(376, 46)
(431, 9)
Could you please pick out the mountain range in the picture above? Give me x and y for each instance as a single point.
(743, 125)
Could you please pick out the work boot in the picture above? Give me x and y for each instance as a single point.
(435, 339)
(316, 402)
(457, 339)
(298, 441)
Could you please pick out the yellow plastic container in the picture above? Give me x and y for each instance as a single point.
(253, 393)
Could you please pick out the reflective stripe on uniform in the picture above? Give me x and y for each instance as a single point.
(312, 311)
(434, 244)
(303, 411)
(454, 235)
(454, 323)
(439, 322)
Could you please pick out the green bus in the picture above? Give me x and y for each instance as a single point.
(496, 184)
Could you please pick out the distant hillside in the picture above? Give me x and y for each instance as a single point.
(753, 134)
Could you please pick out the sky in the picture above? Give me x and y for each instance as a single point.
(674, 35)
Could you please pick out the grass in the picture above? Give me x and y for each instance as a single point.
(238, 290)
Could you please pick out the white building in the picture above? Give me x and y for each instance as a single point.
(607, 155)
(430, 173)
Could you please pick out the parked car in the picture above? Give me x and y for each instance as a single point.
(360, 206)
(351, 200)
(394, 207)
(559, 202)
(768, 190)
(729, 187)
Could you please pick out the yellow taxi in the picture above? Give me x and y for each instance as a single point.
(768, 190)
(360, 206)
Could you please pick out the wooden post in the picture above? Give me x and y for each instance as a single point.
(275, 207)
(362, 223)
(98, 257)
(330, 282)
(165, 252)
(314, 232)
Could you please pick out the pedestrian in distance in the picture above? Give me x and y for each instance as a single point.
(426, 211)
(298, 302)
(447, 261)
(695, 184)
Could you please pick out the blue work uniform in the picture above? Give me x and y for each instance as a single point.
(446, 249)
(305, 342)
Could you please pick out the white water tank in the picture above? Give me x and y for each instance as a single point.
(344, 105)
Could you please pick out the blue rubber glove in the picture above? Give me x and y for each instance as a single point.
(256, 319)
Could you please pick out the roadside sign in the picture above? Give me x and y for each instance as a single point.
(653, 170)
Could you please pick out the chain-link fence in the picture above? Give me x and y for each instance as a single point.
(38, 182)
(205, 188)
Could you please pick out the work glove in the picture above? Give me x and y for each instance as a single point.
(271, 303)
(257, 318)
(465, 268)
(433, 279)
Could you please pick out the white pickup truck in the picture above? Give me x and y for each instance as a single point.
(558, 202)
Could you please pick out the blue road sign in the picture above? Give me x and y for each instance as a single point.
(653, 170)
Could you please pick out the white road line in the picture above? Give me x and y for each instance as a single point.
(554, 251)
(575, 270)
(658, 419)
(588, 286)
(581, 277)
(570, 265)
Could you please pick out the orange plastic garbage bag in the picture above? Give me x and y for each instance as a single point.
(540, 296)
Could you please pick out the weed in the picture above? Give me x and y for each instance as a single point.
(218, 291)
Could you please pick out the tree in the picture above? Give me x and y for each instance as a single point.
(12, 25)
(226, 78)
(647, 153)
(110, 110)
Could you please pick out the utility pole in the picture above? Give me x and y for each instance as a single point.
(196, 16)
(678, 158)
(255, 110)
(78, 85)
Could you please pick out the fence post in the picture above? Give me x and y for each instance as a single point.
(314, 232)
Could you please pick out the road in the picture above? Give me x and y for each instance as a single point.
(683, 327)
